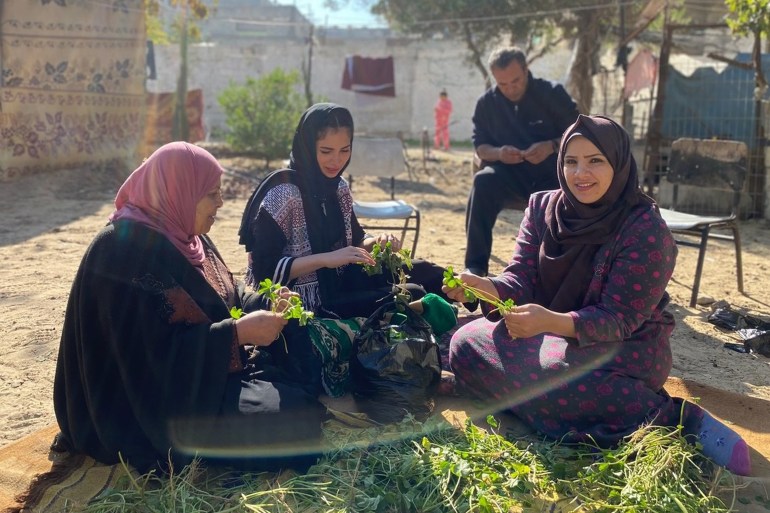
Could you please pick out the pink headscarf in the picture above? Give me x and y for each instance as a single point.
(164, 191)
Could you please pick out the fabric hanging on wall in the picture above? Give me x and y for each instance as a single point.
(160, 119)
(369, 75)
(642, 73)
(72, 92)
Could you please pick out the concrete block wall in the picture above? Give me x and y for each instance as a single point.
(422, 69)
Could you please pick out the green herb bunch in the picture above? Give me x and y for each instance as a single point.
(394, 262)
(294, 309)
(436, 467)
(472, 293)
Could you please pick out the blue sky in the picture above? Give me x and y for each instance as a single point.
(352, 13)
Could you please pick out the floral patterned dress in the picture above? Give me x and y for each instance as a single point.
(607, 381)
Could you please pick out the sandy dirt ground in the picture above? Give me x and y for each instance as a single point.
(48, 221)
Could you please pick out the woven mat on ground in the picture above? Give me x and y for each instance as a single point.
(23, 460)
(35, 479)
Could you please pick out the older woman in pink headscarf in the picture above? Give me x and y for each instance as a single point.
(151, 363)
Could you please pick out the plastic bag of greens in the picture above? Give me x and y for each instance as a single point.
(395, 367)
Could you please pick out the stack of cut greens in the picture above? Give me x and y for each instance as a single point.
(435, 467)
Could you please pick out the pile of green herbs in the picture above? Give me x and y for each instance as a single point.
(435, 467)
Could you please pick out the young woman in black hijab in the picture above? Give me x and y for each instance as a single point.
(586, 352)
(299, 228)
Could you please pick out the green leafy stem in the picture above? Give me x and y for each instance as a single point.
(292, 307)
(473, 293)
(386, 258)
(394, 262)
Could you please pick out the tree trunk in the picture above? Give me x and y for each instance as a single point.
(580, 82)
(476, 55)
(307, 69)
(180, 129)
(757, 170)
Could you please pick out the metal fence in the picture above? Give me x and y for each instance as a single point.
(705, 97)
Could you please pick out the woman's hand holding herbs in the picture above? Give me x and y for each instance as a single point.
(283, 300)
(348, 255)
(382, 240)
(263, 327)
(468, 287)
(260, 328)
(460, 288)
(532, 319)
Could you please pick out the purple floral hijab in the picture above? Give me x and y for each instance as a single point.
(576, 230)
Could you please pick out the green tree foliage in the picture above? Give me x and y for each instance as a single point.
(166, 19)
(262, 114)
(535, 25)
(748, 17)
(481, 24)
(752, 17)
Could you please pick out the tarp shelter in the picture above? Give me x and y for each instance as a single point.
(713, 104)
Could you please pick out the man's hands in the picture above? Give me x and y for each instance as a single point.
(510, 155)
(538, 152)
(535, 154)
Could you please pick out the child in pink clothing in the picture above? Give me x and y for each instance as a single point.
(441, 113)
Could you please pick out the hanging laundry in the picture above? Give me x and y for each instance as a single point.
(369, 75)
(642, 72)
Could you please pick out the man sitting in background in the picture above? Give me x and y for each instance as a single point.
(517, 126)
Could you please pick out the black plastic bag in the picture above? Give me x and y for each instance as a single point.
(395, 367)
(754, 331)
(724, 316)
(757, 341)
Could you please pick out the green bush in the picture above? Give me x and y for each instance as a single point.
(262, 114)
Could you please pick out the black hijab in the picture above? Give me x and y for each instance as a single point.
(575, 230)
(323, 215)
(326, 227)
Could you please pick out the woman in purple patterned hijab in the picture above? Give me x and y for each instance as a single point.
(585, 353)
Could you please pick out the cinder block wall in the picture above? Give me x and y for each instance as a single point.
(422, 69)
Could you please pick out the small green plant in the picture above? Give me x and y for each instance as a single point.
(394, 262)
(472, 293)
(386, 258)
(294, 309)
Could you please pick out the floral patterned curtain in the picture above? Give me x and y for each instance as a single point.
(72, 84)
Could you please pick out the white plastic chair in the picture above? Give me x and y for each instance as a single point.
(383, 156)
